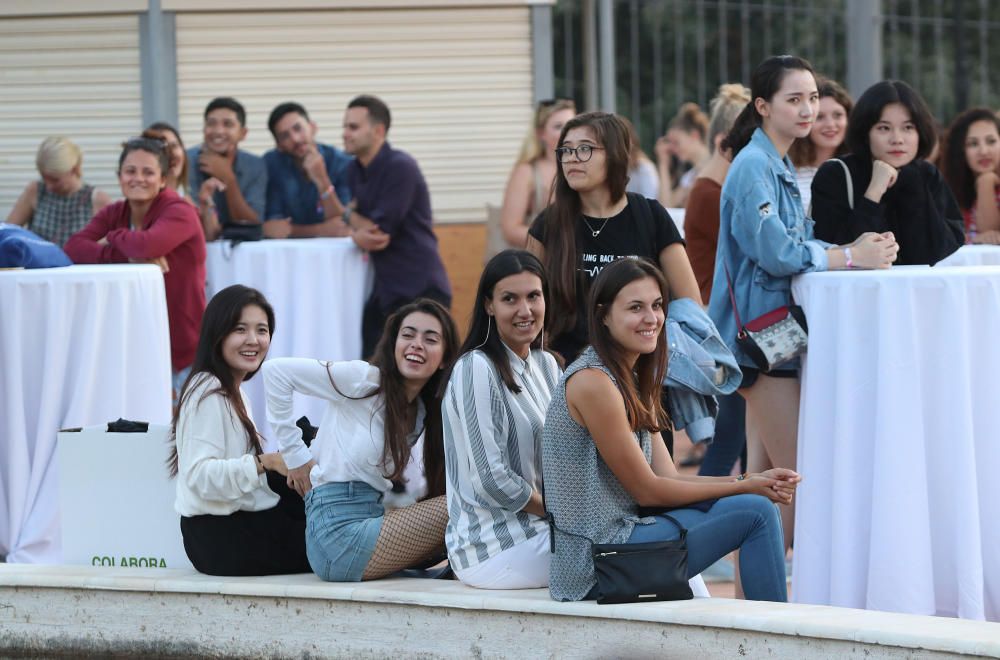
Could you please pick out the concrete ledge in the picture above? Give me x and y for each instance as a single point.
(176, 613)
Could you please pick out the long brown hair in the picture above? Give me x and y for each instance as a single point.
(563, 217)
(396, 448)
(641, 385)
(956, 170)
(222, 314)
(803, 150)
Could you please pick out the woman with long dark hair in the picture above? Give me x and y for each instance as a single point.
(765, 238)
(494, 407)
(593, 221)
(972, 169)
(603, 460)
(368, 436)
(238, 517)
(884, 184)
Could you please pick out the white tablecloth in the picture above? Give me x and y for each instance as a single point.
(899, 441)
(318, 288)
(973, 255)
(79, 346)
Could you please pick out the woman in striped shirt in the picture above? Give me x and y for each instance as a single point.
(493, 411)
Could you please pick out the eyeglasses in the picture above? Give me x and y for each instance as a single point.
(582, 153)
(153, 144)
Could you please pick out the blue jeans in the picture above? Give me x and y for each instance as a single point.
(748, 523)
(730, 443)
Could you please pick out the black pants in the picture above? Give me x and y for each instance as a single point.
(375, 315)
(270, 542)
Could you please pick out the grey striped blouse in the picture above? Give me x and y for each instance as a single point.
(492, 446)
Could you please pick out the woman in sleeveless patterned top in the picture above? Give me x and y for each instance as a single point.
(60, 204)
(603, 456)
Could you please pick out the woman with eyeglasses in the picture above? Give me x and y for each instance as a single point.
(530, 184)
(592, 221)
(177, 174)
(153, 224)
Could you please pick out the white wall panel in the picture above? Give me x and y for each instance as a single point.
(458, 83)
(76, 76)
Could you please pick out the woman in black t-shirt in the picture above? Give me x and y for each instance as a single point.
(592, 222)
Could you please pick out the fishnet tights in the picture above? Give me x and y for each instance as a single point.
(409, 536)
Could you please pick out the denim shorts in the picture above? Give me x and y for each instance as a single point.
(343, 521)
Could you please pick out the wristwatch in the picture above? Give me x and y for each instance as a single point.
(347, 215)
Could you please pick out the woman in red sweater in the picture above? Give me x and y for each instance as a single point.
(153, 224)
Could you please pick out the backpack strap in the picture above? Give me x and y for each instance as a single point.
(850, 182)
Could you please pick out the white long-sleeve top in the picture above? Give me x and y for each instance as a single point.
(216, 472)
(493, 457)
(351, 436)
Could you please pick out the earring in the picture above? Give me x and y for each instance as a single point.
(489, 322)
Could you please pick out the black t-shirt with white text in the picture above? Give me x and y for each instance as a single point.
(628, 234)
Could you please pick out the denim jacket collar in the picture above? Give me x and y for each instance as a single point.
(781, 166)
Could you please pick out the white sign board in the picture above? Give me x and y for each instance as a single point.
(116, 499)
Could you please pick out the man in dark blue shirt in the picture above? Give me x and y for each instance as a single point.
(306, 181)
(391, 218)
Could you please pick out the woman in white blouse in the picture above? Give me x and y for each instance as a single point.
(493, 410)
(238, 517)
(374, 416)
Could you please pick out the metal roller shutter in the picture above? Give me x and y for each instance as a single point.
(76, 76)
(458, 82)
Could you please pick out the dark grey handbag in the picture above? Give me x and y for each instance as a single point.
(638, 572)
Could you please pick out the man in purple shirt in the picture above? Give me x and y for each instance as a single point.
(390, 217)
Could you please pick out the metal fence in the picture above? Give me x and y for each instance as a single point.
(671, 51)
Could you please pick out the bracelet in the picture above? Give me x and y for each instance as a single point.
(347, 215)
(847, 256)
(741, 477)
(327, 193)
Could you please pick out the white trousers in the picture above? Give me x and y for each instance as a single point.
(525, 566)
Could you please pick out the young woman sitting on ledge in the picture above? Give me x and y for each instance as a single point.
(238, 517)
(603, 456)
(374, 416)
(493, 409)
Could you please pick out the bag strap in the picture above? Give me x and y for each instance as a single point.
(850, 182)
(553, 528)
(732, 299)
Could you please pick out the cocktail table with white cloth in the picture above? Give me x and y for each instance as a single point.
(318, 288)
(899, 441)
(79, 345)
(973, 255)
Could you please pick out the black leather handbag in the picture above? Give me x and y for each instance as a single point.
(639, 572)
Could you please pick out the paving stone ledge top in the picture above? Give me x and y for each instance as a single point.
(903, 630)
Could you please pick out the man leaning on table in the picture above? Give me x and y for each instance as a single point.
(306, 181)
(230, 183)
(390, 217)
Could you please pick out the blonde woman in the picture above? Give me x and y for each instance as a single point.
(530, 183)
(60, 204)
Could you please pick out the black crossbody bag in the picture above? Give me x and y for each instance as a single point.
(636, 572)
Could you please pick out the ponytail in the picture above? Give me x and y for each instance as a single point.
(764, 84)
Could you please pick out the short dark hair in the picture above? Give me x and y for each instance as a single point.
(155, 146)
(282, 110)
(378, 111)
(228, 103)
(868, 110)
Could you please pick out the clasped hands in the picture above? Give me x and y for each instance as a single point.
(776, 484)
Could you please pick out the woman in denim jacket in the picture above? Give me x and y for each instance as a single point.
(764, 239)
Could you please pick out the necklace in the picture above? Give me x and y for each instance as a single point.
(596, 232)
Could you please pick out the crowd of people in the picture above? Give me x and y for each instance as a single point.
(596, 332)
